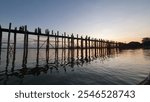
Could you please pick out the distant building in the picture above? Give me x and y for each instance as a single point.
(146, 42)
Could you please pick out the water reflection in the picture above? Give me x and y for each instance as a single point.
(65, 59)
(146, 53)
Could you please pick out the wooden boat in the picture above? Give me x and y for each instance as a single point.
(146, 81)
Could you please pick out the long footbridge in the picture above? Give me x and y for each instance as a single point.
(54, 40)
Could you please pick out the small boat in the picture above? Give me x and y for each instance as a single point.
(146, 81)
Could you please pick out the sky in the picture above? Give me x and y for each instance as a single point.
(118, 20)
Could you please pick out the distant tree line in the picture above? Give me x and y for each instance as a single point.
(133, 44)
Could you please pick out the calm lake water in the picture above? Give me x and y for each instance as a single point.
(103, 67)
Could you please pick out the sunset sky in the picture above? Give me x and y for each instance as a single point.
(119, 20)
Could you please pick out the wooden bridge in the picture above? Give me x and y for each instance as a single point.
(60, 41)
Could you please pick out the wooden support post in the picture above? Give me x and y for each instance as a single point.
(64, 47)
(77, 41)
(26, 44)
(113, 44)
(57, 39)
(99, 41)
(95, 46)
(62, 44)
(106, 43)
(101, 48)
(25, 48)
(91, 43)
(68, 42)
(116, 44)
(14, 50)
(8, 46)
(109, 44)
(65, 40)
(77, 46)
(47, 46)
(81, 47)
(103, 43)
(72, 48)
(92, 46)
(89, 47)
(57, 48)
(38, 44)
(1, 36)
(86, 48)
(98, 44)
(72, 41)
(68, 48)
(24, 51)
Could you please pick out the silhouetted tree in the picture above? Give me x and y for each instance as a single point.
(134, 44)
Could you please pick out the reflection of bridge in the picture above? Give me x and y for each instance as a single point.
(66, 61)
(57, 42)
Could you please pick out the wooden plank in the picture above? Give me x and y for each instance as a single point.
(33, 33)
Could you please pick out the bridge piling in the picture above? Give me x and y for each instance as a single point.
(8, 46)
(1, 36)
(80, 46)
(14, 49)
(38, 46)
(47, 46)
